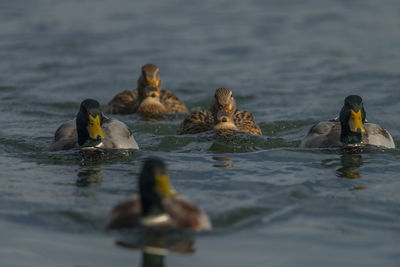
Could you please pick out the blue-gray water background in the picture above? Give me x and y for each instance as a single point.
(290, 63)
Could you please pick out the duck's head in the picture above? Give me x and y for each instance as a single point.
(149, 88)
(150, 77)
(154, 186)
(88, 124)
(352, 119)
(223, 108)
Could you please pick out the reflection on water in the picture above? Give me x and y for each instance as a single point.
(156, 245)
(350, 165)
(152, 258)
(227, 162)
(89, 177)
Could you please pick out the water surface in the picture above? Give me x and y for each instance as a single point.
(290, 63)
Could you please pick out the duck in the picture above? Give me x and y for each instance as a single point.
(92, 129)
(148, 99)
(157, 206)
(349, 129)
(223, 117)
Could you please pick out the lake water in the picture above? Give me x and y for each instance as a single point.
(290, 63)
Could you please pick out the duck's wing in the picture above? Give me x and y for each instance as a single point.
(184, 214)
(65, 137)
(125, 214)
(197, 122)
(117, 135)
(378, 136)
(244, 121)
(323, 134)
(172, 103)
(125, 102)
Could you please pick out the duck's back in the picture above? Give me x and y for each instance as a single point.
(244, 121)
(65, 137)
(378, 136)
(184, 214)
(323, 134)
(118, 135)
(125, 102)
(125, 214)
(197, 122)
(172, 103)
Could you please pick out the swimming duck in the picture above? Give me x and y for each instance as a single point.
(350, 129)
(157, 206)
(91, 128)
(223, 117)
(148, 99)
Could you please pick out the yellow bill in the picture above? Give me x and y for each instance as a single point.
(355, 122)
(94, 128)
(163, 186)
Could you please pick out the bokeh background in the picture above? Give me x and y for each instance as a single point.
(290, 63)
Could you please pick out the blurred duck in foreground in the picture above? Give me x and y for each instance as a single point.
(350, 129)
(223, 117)
(157, 206)
(148, 99)
(91, 128)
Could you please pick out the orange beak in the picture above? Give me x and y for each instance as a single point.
(154, 82)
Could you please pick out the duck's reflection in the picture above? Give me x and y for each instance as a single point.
(155, 246)
(89, 176)
(350, 163)
(226, 162)
(152, 259)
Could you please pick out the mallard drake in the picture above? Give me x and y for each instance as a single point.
(91, 128)
(157, 206)
(148, 99)
(350, 129)
(222, 117)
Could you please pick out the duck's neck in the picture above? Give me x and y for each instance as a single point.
(151, 204)
(348, 137)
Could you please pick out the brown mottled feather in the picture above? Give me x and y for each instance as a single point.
(172, 103)
(197, 122)
(127, 102)
(201, 121)
(244, 121)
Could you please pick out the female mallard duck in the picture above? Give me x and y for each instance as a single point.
(158, 206)
(350, 129)
(92, 129)
(148, 99)
(222, 117)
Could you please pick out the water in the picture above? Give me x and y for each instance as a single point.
(290, 63)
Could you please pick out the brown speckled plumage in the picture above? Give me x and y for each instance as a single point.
(128, 102)
(206, 120)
